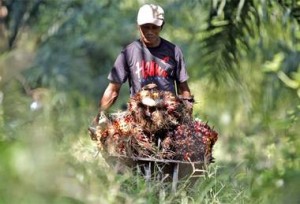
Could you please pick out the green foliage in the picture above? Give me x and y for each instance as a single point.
(243, 59)
(77, 49)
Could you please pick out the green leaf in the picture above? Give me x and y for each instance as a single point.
(288, 81)
(275, 64)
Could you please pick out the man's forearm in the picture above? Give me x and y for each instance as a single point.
(107, 100)
(184, 90)
(109, 97)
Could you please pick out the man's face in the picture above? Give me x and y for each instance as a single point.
(150, 34)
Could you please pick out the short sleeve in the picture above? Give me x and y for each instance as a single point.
(119, 72)
(181, 72)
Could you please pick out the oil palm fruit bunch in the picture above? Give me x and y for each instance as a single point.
(156, 124)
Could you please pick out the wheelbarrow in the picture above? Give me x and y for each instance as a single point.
(161, 170)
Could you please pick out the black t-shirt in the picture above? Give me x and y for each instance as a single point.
(163, 65)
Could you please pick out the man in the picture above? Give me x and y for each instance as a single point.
(150, 59)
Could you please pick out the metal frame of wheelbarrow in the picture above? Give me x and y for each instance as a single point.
(163, 170)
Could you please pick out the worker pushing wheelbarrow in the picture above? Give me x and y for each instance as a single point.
(157, 127)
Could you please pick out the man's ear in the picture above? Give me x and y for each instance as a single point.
(161, 27)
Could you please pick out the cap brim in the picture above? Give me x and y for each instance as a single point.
(155, 22)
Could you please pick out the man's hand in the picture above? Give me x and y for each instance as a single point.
(100, 119)
(189, 103)
(99, 123)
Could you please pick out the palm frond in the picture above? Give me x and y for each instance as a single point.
(229, 27)
(293, 6)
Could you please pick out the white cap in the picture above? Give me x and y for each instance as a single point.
(150, 13)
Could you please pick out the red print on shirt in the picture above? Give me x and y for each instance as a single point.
(165, 59)
(152, 69)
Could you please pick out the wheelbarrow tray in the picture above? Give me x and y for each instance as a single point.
(162, 170)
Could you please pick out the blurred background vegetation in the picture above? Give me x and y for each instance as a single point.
(243, 59)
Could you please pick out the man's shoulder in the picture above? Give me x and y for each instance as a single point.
(168, 44)
(164, 41)
(133, 45)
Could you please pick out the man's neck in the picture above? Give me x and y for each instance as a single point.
(156, 44)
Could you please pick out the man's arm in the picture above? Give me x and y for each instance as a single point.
(184, 90)
(109, 97)
(185, 94)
